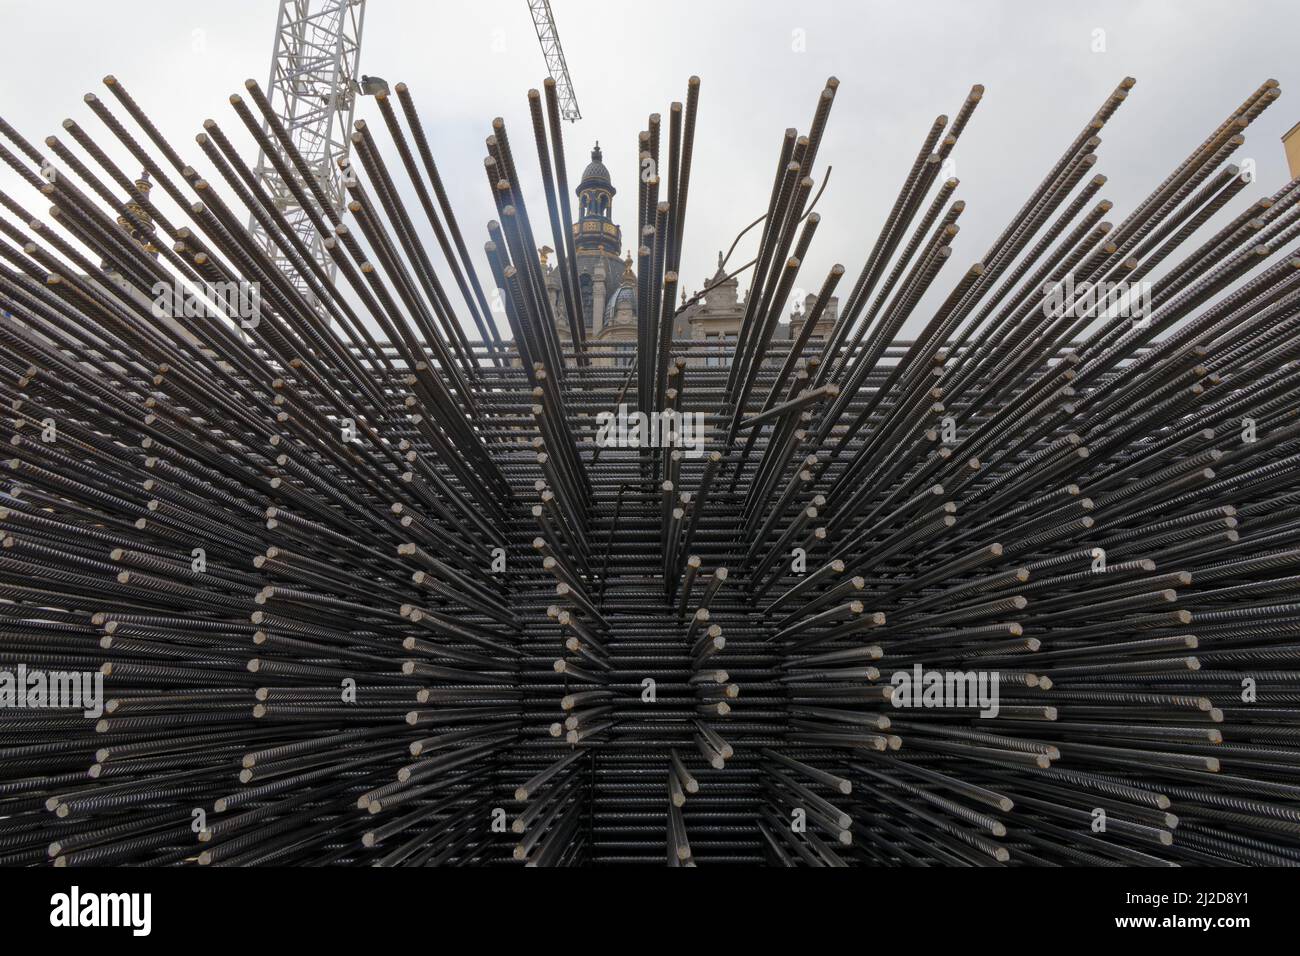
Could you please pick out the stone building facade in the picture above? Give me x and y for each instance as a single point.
(607, 285)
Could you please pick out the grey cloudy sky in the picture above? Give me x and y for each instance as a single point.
(900, 65)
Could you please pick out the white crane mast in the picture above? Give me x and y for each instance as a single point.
(312, 92)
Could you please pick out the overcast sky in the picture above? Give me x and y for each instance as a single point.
(762, 65)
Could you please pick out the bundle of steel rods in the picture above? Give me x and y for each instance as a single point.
(300, 571)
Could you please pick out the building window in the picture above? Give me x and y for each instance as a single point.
(584, 290)
(718, 343)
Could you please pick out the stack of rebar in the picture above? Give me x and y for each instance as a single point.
(326, 580)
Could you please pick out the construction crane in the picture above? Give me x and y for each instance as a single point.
(544, 21)
(312, 92)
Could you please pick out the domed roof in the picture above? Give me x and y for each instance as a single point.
(624, 294)
(596, 169)
(596, 172)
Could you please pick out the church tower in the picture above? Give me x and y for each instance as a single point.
(598, 242)
(606, 282)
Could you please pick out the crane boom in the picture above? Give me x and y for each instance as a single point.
(544, 21)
